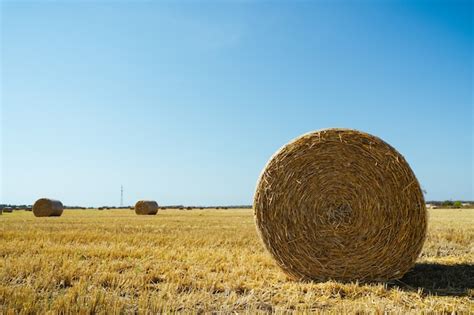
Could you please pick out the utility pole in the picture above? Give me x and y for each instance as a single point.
(121, 195)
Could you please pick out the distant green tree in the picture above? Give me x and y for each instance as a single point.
(447, 203)
(457, 204)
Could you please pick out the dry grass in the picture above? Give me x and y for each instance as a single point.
(205, 260)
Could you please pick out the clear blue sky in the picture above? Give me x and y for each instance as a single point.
(184, 103)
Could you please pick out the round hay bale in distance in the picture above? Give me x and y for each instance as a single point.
(45, 207)
(148, 207)
(340, 204)
(8, 209)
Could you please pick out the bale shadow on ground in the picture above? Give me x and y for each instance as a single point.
(437, 279)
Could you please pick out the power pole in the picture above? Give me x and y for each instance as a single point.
(121, 195)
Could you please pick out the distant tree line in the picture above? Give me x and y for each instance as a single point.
(439, 204)
(16, 207)
(182, 207)
(458, 204)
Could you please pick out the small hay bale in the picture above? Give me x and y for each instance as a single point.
(45, 207)
(146, 207)
(340, 204)
(8, 209)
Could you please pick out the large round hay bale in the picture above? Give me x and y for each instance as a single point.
(340, 204)
(146, 207)
(45, 207)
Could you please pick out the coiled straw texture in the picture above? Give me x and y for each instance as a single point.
(146, 207)
(340, 204)
(47, 208)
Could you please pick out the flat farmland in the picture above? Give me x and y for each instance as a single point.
(113, 261)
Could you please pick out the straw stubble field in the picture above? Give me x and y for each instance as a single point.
(205, 260)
